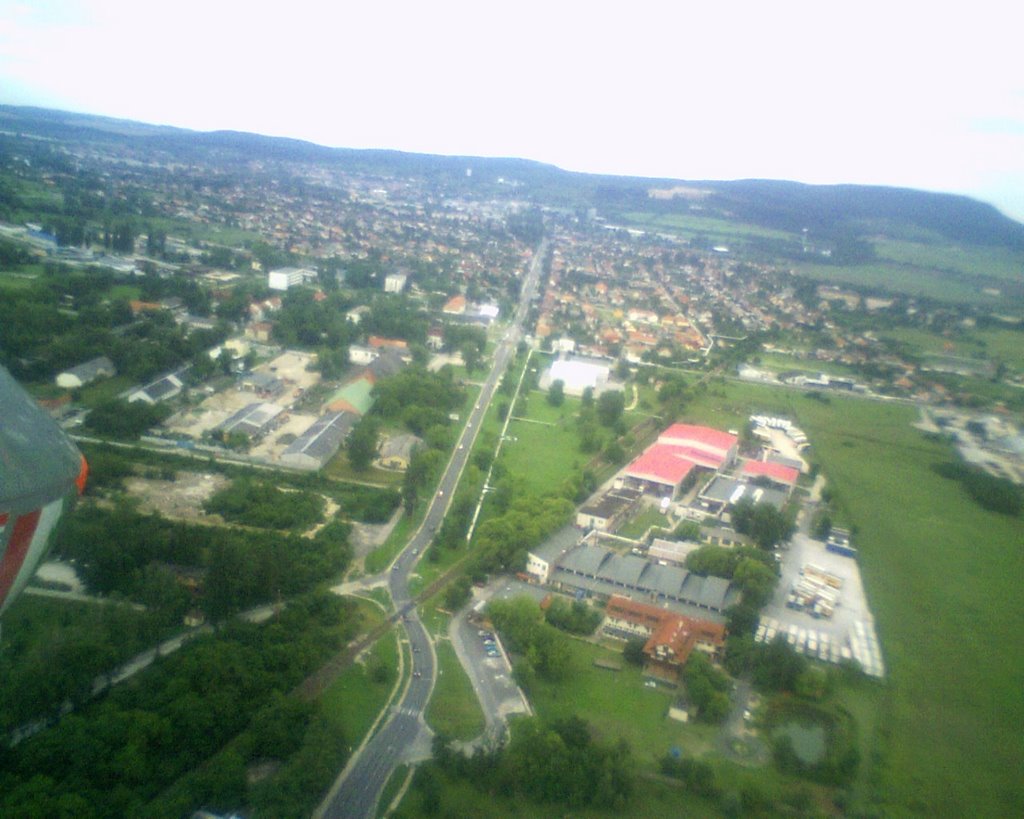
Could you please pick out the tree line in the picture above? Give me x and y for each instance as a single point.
(119, 755)
(154, 561)
(557, 762)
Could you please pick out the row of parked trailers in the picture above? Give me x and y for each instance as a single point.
(807, 641)
(861, 644)
(793, 432)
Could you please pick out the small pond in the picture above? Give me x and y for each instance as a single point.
(808, 740)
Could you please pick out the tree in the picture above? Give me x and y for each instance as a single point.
(121, 419)
(822, 526)
(470, 356)
(362, 443)
(458, 593)
(614, 453)
(556, 393)
(634, 651)
(610, 407)
(688, 530)
(767, 525)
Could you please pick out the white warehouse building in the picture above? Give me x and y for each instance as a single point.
(577, 375)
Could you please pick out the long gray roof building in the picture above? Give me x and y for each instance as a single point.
(596, 570)
(318, 444)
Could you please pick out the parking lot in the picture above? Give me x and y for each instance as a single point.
(487, 665)
(848, 634)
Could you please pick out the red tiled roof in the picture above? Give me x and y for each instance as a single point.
(777, 472)
(665, 464)
(377, 341)
(676, 632)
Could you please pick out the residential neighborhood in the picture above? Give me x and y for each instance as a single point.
(429, 464)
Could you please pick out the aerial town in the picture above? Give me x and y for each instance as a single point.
(474, 453)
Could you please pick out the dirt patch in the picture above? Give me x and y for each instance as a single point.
(181, 499)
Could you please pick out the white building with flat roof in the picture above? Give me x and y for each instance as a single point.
(285, 277)
(577, 375)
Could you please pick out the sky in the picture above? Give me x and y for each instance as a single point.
(907, 93)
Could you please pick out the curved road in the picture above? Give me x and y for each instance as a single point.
(361, 783)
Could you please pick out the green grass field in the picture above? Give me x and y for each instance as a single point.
(989, 343)
(354, 700)
(996, 262)
(649, 517)
(453, 710)
(106, 389)
(900, 278)
(618, 704)
(19, 280)
(942, 576)
(340, 469)
(124, 291)
(546, 447)
(690, 226)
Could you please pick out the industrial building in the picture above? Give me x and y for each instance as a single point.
(164, 388)
(253, 419)
(589, 570)
(318, 444)
(100, 367)
(609, 511)
(670, 463)
(722, 493)
(578, 375)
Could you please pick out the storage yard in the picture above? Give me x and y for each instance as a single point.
(820, 609)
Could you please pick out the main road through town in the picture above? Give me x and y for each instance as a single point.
(368, 770)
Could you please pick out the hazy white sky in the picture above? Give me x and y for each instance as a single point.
(900, 92)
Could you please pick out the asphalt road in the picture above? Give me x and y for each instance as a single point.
(371, 766)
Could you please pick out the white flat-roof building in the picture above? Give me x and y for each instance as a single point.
(285, 277)
(578, 375)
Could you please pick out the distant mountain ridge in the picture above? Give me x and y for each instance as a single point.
(790, 206)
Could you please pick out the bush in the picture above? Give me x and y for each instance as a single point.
(992, 493)
(257, 503)
(576, 617)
